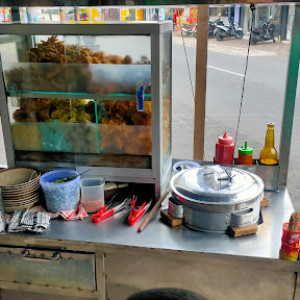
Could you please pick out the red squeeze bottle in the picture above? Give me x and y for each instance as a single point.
(224, 150)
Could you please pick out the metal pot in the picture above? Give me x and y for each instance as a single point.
(216, 197)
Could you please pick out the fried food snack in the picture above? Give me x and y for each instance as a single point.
(46, 110)
(33, 110)
(65, 75)
(125, 112)
(117, 133)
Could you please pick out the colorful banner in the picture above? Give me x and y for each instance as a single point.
(124, 14)
(139, 15)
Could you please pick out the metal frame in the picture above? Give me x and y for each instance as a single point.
(9, 149)
(290, 98)
(156, 102)
(152, 29)
(131, 3)
(135, 28)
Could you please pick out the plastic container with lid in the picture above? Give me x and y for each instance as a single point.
(245, 155)
(92, 194)
(185, 164)
(224, 150)
(61, 196)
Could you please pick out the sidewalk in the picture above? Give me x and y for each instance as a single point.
(235, 46)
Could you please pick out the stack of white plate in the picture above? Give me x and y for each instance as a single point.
(20, 188)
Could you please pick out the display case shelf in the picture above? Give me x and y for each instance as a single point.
(57, 95)
(117, 164)
(85, 137)
(76, 78)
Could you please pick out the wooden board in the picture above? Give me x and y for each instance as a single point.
(265, 202)
(242, 231)
(168, 219)
(200, 84)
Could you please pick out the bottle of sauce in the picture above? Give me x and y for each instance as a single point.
(224, 150)
(268, 155)
(245, 155)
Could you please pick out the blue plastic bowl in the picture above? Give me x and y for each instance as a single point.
(60, 196)
(177, 167)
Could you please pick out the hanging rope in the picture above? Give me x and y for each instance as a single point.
(252, 7)
(186, 60)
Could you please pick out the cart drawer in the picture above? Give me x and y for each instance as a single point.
(62, 269)
(10, 295)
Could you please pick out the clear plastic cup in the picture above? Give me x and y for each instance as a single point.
(92, 194)
(289, 249)
(290, 238)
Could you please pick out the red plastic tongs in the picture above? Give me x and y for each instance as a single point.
(137, 213)
(107, 211)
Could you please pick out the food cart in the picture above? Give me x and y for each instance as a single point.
(82, 260)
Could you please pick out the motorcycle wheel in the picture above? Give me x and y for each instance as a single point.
(219, 36)
(239, 34)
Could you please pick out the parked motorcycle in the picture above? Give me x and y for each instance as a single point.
(212, 27)
(227, 31)
(264, 32)
(189, 29)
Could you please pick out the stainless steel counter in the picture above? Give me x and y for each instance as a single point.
(264, 244)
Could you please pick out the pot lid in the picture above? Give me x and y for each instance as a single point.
(216, 185)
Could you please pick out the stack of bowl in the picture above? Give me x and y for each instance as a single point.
(20, 188)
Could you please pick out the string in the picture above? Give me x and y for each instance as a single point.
(252, 7)
(187, 61)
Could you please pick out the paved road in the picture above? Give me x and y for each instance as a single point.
(263, 100)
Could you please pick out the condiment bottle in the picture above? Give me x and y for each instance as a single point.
(245, 155)
(290, 238)
(224, 150)
(268, 155)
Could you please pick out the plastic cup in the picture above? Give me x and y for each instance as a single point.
(92, 193)
(290, 238)
(289, 244)
(288, 253)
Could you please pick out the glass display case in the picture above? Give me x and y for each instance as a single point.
(94, 97)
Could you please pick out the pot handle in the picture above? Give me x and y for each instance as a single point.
(216, 177)
(242, 218)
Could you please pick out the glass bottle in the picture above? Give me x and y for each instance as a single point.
(268, 155)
